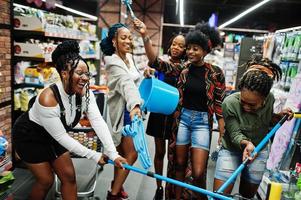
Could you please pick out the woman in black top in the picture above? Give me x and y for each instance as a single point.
(202, 88)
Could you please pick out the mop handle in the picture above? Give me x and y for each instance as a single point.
(297, 115)
(255, 151)
(127, 3)
(173, 181)
(131, 11)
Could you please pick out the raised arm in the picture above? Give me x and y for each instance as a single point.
(149, 50)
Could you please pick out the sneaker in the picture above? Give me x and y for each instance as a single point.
(122, 193)
(113, 197)
(159, 193)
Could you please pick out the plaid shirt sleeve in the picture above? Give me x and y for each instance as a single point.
(161, 65)
(181, 82)
(219, 91)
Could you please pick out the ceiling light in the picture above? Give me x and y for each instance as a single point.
(182, 12)
(222, 33)
(243, 13)
(288, 29)
(94, 18)
(21, 6)
(75, 11)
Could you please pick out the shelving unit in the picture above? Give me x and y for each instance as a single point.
(37, 26)
(36, 34)
(5, 164)
(281, 47)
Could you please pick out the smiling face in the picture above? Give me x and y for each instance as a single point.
(80, 79)
(251, 101)
(195, 54)
(177, 47)
(124, 41)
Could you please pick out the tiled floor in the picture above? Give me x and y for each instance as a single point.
(138, 186)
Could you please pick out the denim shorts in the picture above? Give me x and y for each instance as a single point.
(194, 129)
(228, 162)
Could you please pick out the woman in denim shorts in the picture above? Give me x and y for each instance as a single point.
(202, 89)
(248, 114)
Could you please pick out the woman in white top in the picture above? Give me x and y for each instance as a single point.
(40, 136)
(123, 99)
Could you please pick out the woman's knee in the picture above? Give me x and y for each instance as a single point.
(131, 156)
(46, 181)
(181, 161)
(198, 175)
(160, 154)
(68, 176)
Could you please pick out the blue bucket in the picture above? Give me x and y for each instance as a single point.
(158, 96)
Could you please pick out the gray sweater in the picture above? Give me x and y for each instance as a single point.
(123, 91)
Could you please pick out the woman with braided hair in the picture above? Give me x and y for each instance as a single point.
(248, 115)
(123, 98)
(40, 135)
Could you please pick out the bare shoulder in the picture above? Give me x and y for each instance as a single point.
(47, 98)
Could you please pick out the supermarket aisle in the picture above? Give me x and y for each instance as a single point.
(143, 187)
(138, 186)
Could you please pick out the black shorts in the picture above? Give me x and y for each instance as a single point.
(159, 125)
(33, 143)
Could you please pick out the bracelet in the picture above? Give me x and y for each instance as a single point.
(146, 39)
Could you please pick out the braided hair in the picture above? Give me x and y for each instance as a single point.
(66, 58)
(205, 36)
(260, 75)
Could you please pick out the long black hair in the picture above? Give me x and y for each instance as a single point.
(66, 58)
(260, 75)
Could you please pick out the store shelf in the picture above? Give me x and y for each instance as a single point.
(5, 164)
(34, 52)
(36, 33)
(293, 61)
(65, 35)
(23, 58)
(87, 56)
(263, 187)
(28, 23)
(24, 85)
(33, 25)
(27, 33)
(31, 51)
